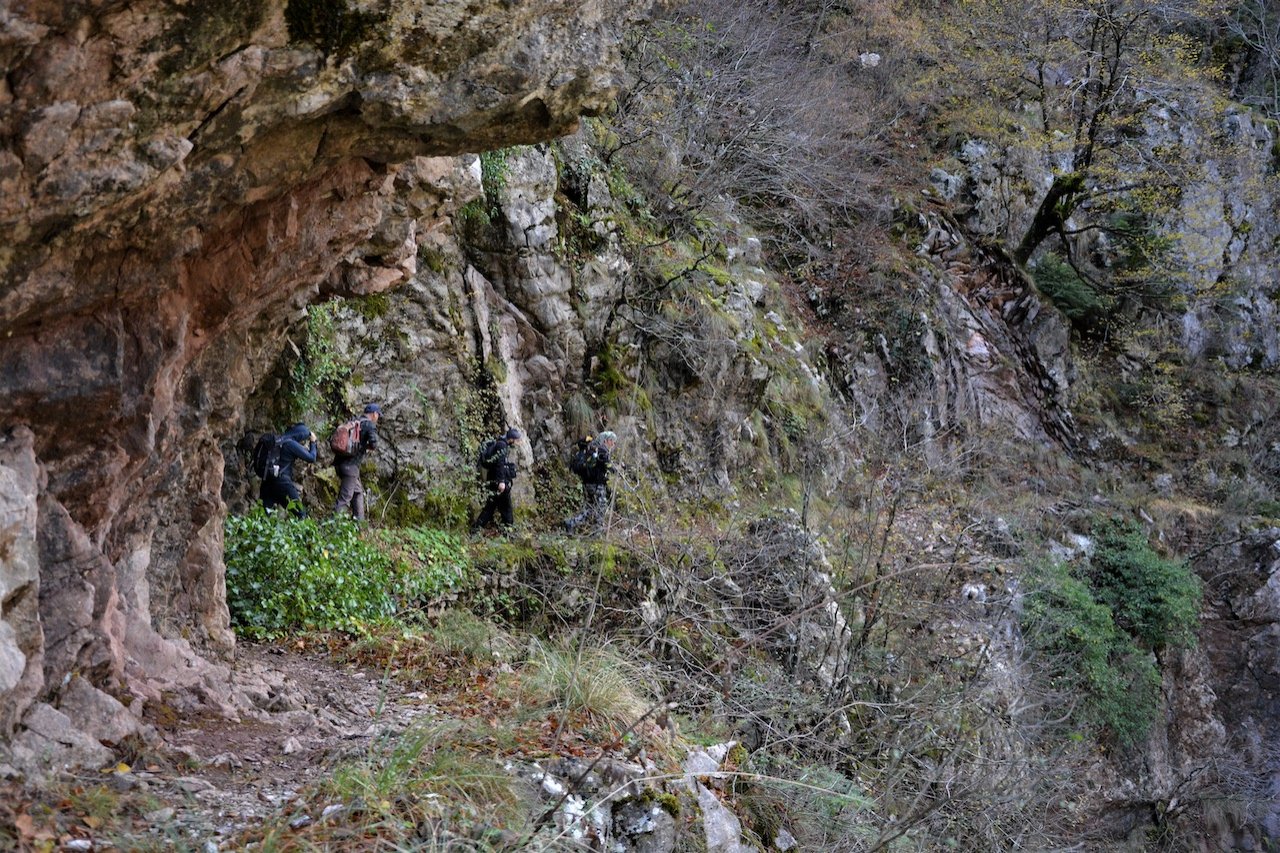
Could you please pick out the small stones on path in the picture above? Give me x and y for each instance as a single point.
(261, 760)
(193, 784)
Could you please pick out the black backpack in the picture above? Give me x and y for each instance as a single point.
(487, 455)
(580, 462)
(266, 454)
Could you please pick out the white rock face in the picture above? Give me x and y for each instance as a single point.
(21, 653)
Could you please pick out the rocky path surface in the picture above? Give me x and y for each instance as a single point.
(311, 712)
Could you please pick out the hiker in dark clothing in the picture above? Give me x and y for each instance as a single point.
(500, 473)
(278, 488)
(593, 468)
(350, 489)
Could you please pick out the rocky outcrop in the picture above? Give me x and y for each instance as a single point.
(1001, 353)
(1220, 235)
(969, 346)
(176, 183)
(1226, 734)
(521, 310)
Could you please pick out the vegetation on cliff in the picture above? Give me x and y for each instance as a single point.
(908, 620)
(975, 679)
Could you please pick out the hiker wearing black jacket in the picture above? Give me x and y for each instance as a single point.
(278, 488)
(593, 469)
(500, 473)
(347, 465)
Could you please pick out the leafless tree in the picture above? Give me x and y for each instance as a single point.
(1256, 23)
(745, 101)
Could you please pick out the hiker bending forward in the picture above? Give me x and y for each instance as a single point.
(278, 488)
(350, 489)
(595, 481)
(499, 474)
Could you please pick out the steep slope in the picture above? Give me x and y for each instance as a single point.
(562, 320)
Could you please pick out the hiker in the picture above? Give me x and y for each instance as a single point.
(347, 463)
(499, 473)
(592, 465)
(278, 488)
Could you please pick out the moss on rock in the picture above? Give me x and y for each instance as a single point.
(328, 24)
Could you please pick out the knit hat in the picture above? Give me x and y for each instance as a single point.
(513, 434)
(373, 409)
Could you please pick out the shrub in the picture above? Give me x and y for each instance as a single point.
(430, 563)
(1155, 599)
(1101, 626)
(286, 573)
(1089, 655)
(1075, 297)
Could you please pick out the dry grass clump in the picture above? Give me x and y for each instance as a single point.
(598, 684)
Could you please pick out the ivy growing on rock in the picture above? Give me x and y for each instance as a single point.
(317, 380)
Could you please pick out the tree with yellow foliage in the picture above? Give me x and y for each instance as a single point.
(1099, 88)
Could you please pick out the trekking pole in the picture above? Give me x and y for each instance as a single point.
(626, 484)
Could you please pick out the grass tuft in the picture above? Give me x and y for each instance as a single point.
(594, 682)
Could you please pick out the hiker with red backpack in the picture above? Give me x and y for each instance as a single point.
(278, 488)
(350, 442)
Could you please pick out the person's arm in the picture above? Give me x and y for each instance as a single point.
(369, 431)
(306, 454)
(504, 469)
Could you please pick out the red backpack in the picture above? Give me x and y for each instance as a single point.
(346, 438)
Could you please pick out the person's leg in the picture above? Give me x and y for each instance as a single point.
(290, 496)
(504, 506)
(273, 494)
(265, 494)
(602, 503)
(348, 484)
(357, 501)
(584, 514)
(486, 515)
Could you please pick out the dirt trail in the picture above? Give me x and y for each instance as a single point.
(311, 712)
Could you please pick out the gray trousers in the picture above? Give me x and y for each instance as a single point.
(596, 503)
(350, 491)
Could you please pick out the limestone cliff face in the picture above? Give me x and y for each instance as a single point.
(510, 317)
(518, 299)
(176, 183)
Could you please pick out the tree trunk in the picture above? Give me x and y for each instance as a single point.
(1058, 204)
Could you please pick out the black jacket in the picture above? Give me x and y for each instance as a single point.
(291, 448)
(597, 471)
(498, 467)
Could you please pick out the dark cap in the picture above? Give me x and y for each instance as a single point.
(513, 434)
(373, 409)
